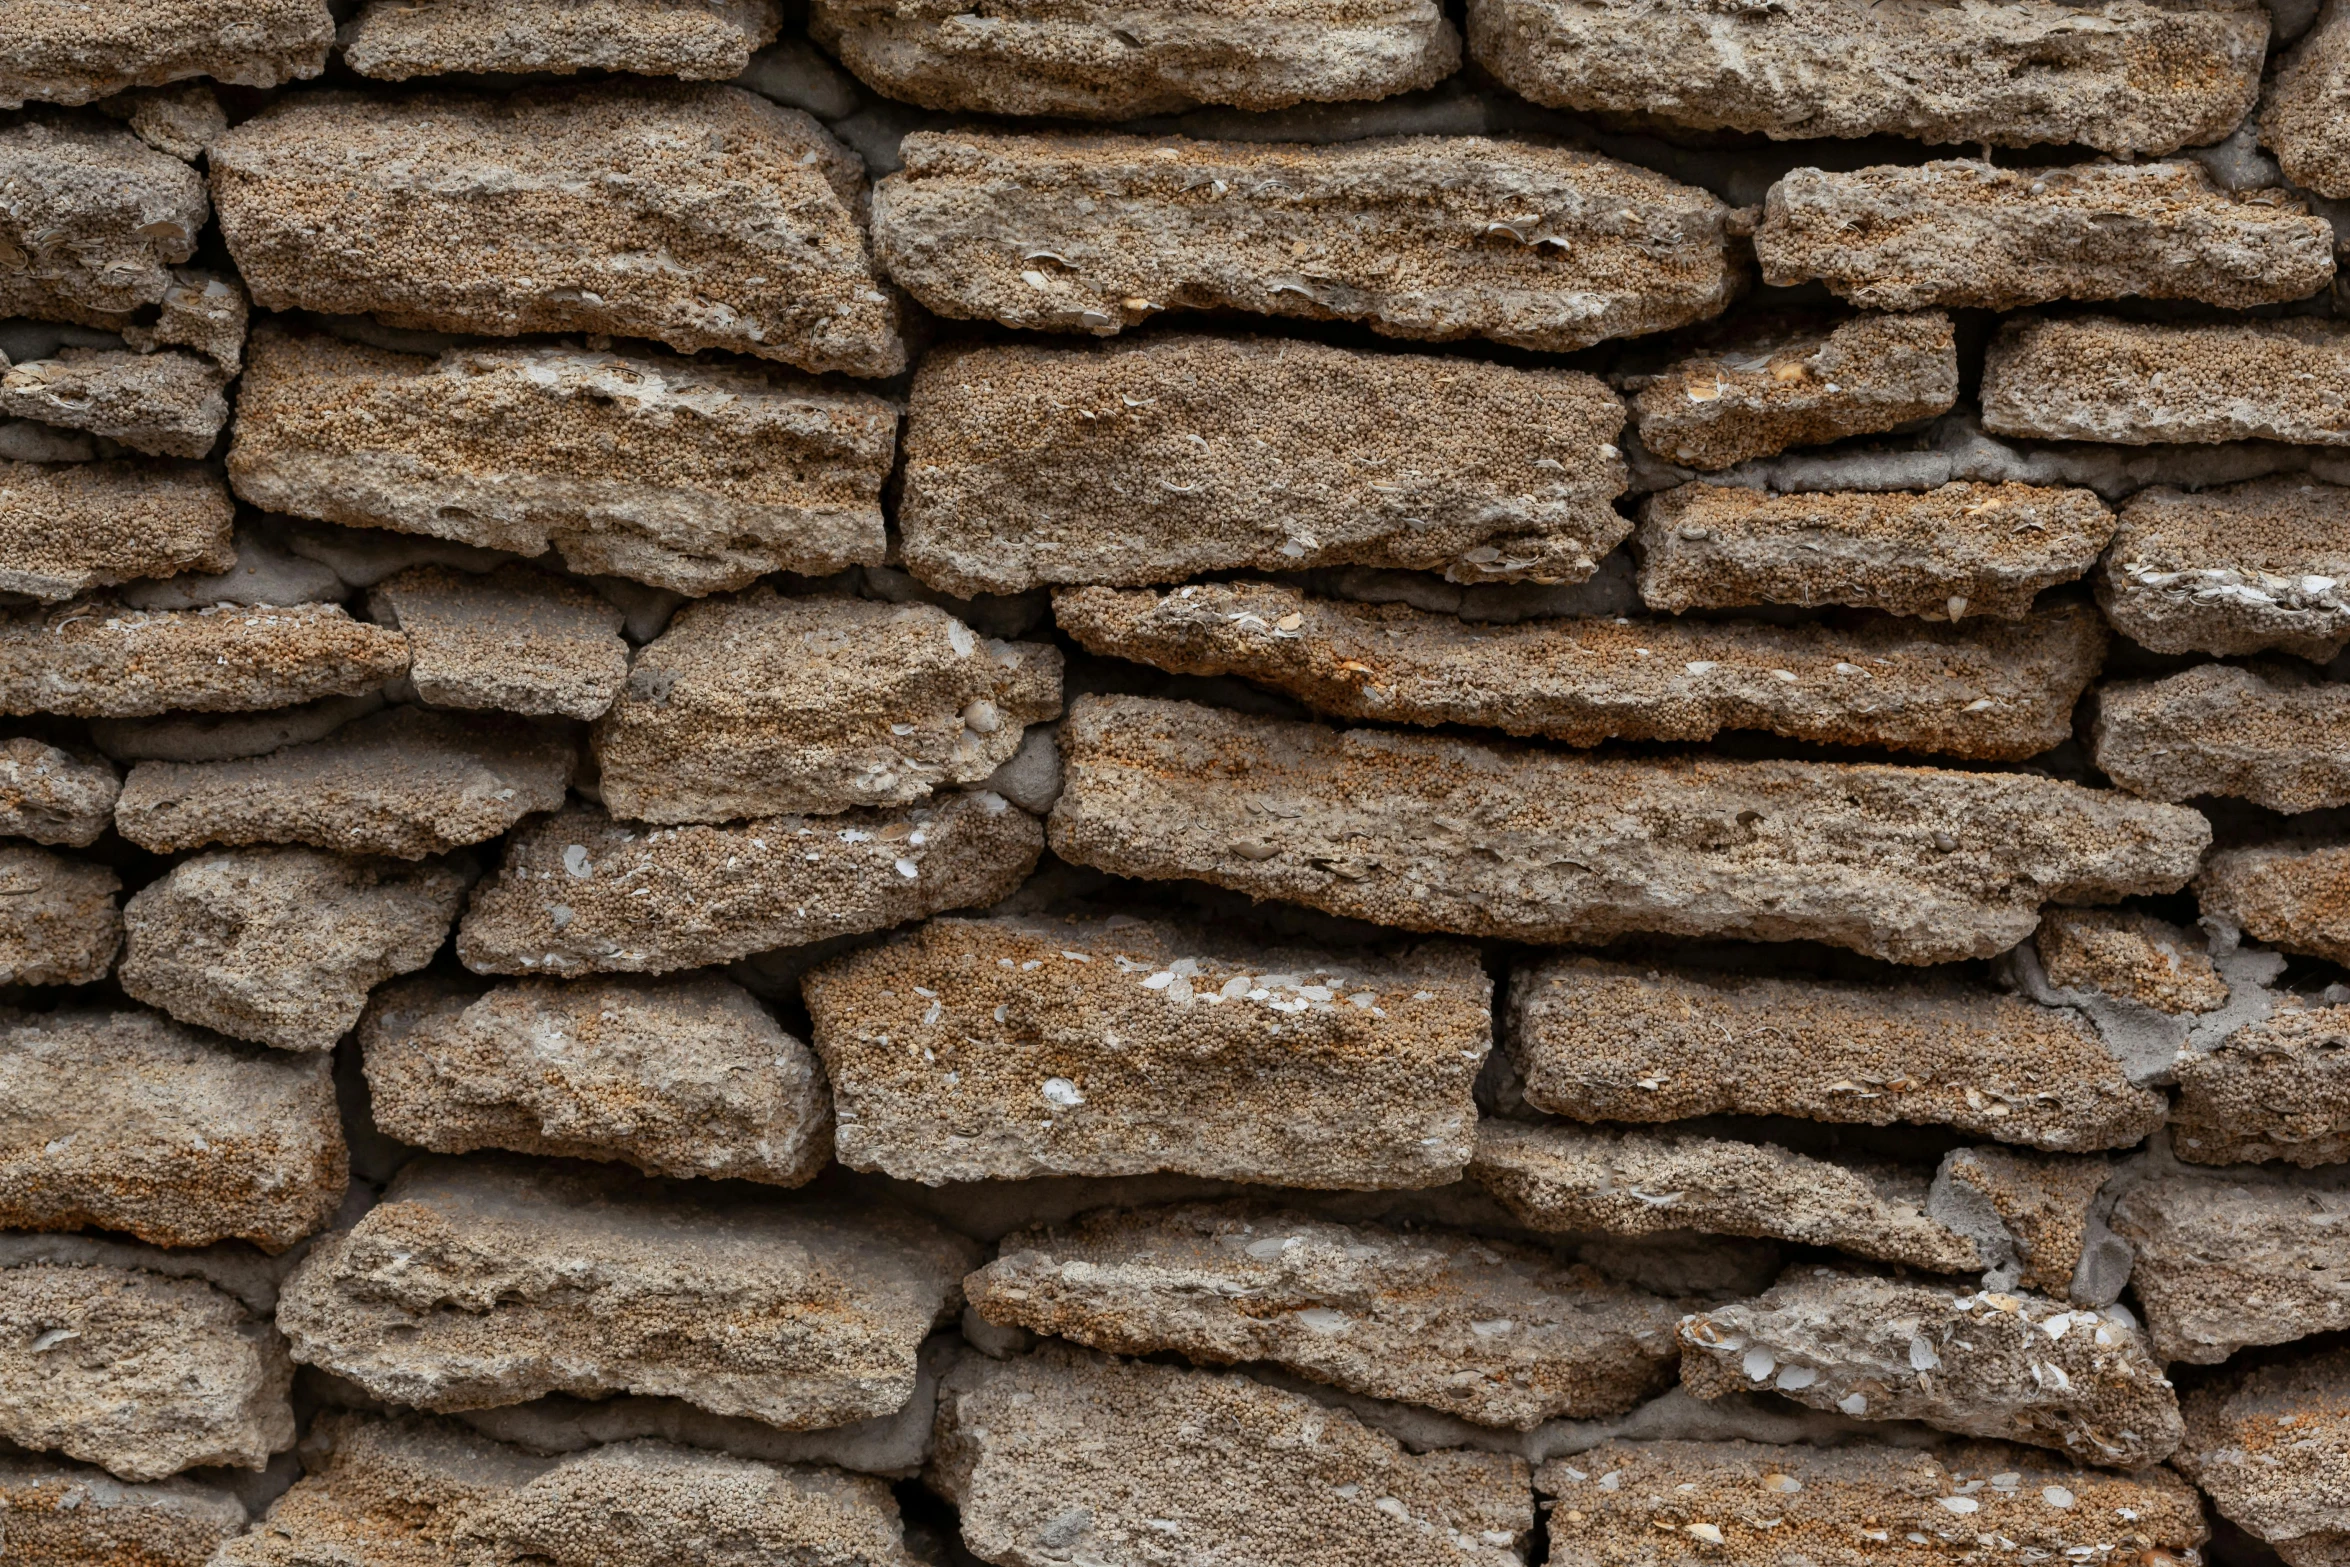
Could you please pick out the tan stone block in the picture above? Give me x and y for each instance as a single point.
(92, 658)
(2269, 1445)
(2302, 116)
(2292, 895)
(517, 639)
(63, 51)
(70, 1515)
(169, 404)
(201, 310)
(58, 923)
(53, 796)
(2239, 569)
(66, 528)
(2264, 734)
(96, 217)
(2041, 1202)
(709, 40)
(2278, 1089)
(2138, 383)
(2230, 1260)
(2130, 955)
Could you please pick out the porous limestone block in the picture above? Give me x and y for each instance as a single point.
(517, 640)
(2264, 734)
(2278, 1089)
(228, 737)
(2130, 955)
(2291, 895)
(705, 40)
(94, 658)
(2239, 569)
(53, 796)
(2139, 383)
(66, 528)
(182, 119)
(60, 1514)
(1013, 1048)
(58, 922)
(2236, 1259)
(95, 218)
(64, 51)
(2038, 1207)
(2270, 1445)
(169, 404)
(205, 311)
(2302, 117)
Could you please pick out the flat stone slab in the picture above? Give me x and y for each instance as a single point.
(93, 658)
(458, 1291)
(97, 218)
(2039, 1202)
(58, 922)
(60, 1512)
(757, 705)
(2228, 1261)
(2268, 735)
(688, 475)
(1015, 1048)
(1988, 690)
(2240, 569)
(1425, 833)
(1433, 237)
(59, 52)
(2139, 383)
(2011, 75)
(683, 1077)
(1961, 232)
(2301, 115)
(1941, 554)
(2269, 1445)
(281, 945)
(1154, 460)
(2275, 1090)
(1063, 1455)
(406, 782)
(2291, 895)
(1605, 1041)
(51, 795)
(2129, 955)
(201, 310)
(517, 640)
(536, 213)
(66, 528)
(169, 404)
(565, 899)
(708, 42)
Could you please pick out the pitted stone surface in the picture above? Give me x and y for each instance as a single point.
(168, 404)
(93, 658)
(516, 639)
(2230, 1259)
(2291, 895)
(565, 899)
(2271, 1447)
(492, 1280)
(709, 40)
(1418, 236)
(1015, 1048)
(684, 1077)
(61, 1514)
(228, 737)
(1425, 833)
(2096, 378)
(202, 310)
(53, 796)
(58, 922)
(2270, 735)
(2131, 955)
(691, 476)
(182, 119)
(66, 528)
(2240, 569)
(2275, 1090)
(2305, 117)
(2040, 1201)
(95, 217)
(540, 212)
(1993, 689)
(62, 51)
(1940, 554)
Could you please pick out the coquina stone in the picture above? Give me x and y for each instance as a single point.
(2271, 1447)
(2236, 1259)
(2301, 117)
(59, 51)
(2040, 1204)
(58, 922)
(2129, 954)
(1422, 236)
(182, 119)
(711, 41)
(2278, 1089)
(2293, 895)
(2263, 734)
(94, 658)
(95, 217)
(2096, 378)
(61, 1514)
(168, 404)
(2239, 569)
(518, 640)
(66, 528)
(50, 795)
(201, 310)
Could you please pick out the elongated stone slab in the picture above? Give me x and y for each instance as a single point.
(1424, 833)
(66, 528)
(61, 1514)
(2292, 895)
(92, 658)
(1990, 690)
(96, 217)
(691, 476)
(2278, 1089)
(516, 640)
(2301, 116)
(2226, 1261)
(2265, 735)
(1424, 237)
(2241, 569)
(58, 922)
(1015, 1048)
(2132, 956)
(605, 208)
(2137, 383)
(59, 51)
(712, 41)
(53, 796)
(168, 404)
(2269, 1445)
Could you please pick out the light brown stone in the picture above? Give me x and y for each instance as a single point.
(92, 658)
(96, 217)
(2267, 735)
(2302, 115)
(182, 120)
(709, 40)
(2040, 1202)
(2240, 569)
(2096, 378)
(2278, 1089)
(201, 310)
(2129, 954)
(2291, 895)
(66, 528)
(2270, 1445)
(53, 796)
(63, 51)
(2230, 1260)
(516, 639)
(169, 404)
(58, 922)
(69, 1515)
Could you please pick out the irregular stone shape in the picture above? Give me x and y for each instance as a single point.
(141, 1374)
(1602, 1041)
(2267, 735)
(92, 658)
(698, 216)
(757, 704)
(52, 796)
(708, 40)
(564, 901)
(95, 217)
(2129, 954)
(66, 528)
(1430, 833)
(406, 782)
(692, 476)
(2241, 569)
(1146, 1046)
(464, 1289)
(2021, 1368)
(1153, 460)
(2302, 114)
(281, 946)
(1966, 233)
(679, 1077)
(1993, 690)
(2226, 1262)
(1651, 1504)
(226, 737)
(1940, 554)
(2038, 1209)
(1122, 59)
(2270, 1446)
(2295, 896)
(1417, 236)
(516, 639)
(201, 310)
(68, 1515)
(1062, 1455)
(2277, 1089)
(266, 574)
(121, 1120)
(61, 51)
(58, 922)
(181, 120)
(2123, 76)
(1760, 389)
(2096, 378)
(166, 403)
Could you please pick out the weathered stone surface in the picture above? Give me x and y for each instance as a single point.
(92, 658)
(201, 310)
(516, 639)
(68, 1515)
(182, 120)
(1120, 59)
(1428, 833)
(281, 946)
(1602, 1041)
(2270, 735)
(1940, 554)
(1078, 1047)
(758, 704)
(691, 476)
(1994, 690)
(2271, 1447)
(166, 403)
(1150, 461)
(2302, 117)
(2277, 1089)
(2241, 569)
(53, 796)
(61, 51)
(141, 1374)
(565, 901)
(2229, 1261)
(2123, 76)
(1966, 233)
(1759, 389)
(2039, 1204)
(1644, 1183)
(2292, 895)
(58, 922)
(2129, 954)
(2096, 378)
(66, 528)
(545, 211)
(708, 40)
(1747, 1504)
(1422, 236)
(493, 1280)
(226, 737)
(95, 217)
(2021, 1368)
(406, 782)
(679, 1077)
(1062, 1452)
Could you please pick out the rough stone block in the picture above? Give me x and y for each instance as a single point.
(2305, 116)
(58, 923)
(1015, 1048)
(69, 1515)
(182, 120)
(2139, 383)
(93, 658)
(516, 639)
(169, 404)
(2241, 569)
(2130, 955)
(202, 310)
(2295, 896)
(53, 796)
(2273, 1090)
(62, 51)
(1418, 236)
(708, 40)
(96, 217)
(66, 528)
(2270, 1446)
(2230, 1261)
(2267, 735)
(2038, 1208)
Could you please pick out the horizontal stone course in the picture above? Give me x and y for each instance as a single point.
(167, 404)
(96, 219)
(62, 1512)
(2261, 734)
(59, 51)
(96, 658)
(2233, 1259)
(2267, 1445)
(2275, 1090)
(2100, 378)
(713, 41)
(68, 528)
(2294, 895)
(2244, 568)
